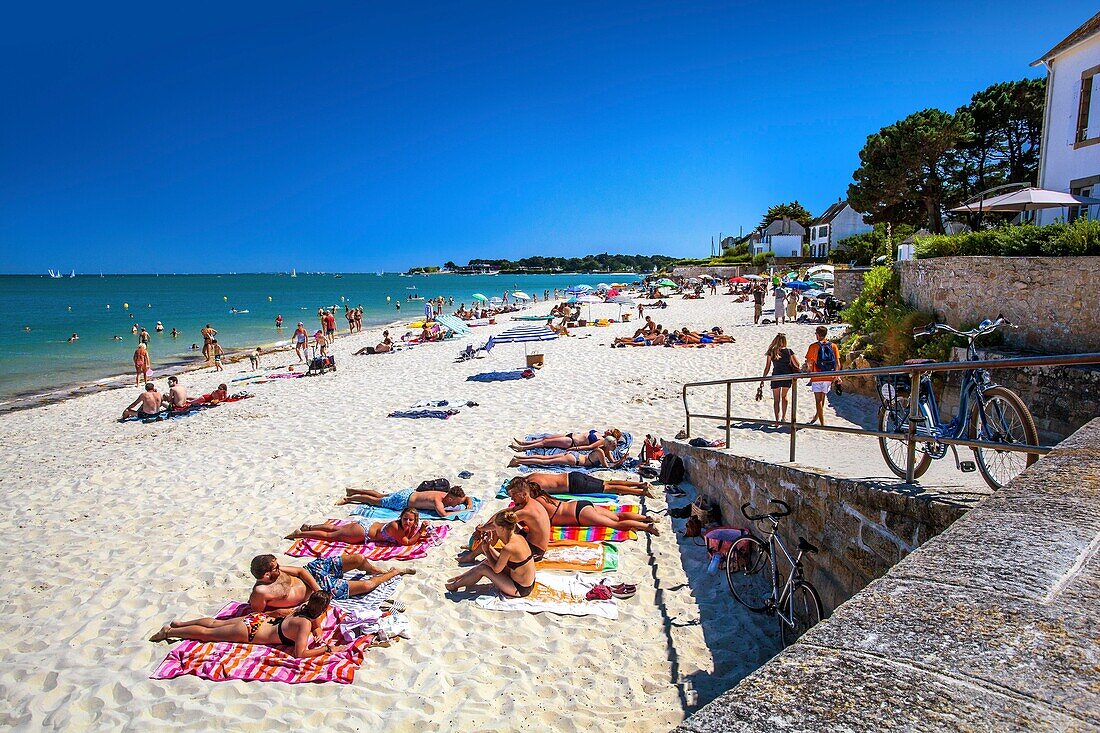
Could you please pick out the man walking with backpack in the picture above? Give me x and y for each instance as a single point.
(822, 357)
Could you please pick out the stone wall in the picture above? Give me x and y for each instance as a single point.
(848, 282)
(723, 272)
(991, 626)
(1053, 300)
(861, 529)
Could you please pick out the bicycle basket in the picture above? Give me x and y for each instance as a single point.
(891, 387)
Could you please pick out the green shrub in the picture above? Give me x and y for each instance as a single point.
(761, 259)
(1082, 237)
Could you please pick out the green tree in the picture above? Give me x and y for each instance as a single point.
(905, 169)
(792, 210)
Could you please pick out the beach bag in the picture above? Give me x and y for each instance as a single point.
(719, 540)
(693, 528)
(672, 470)
(435, 484)
(826, 357)
(706, 512)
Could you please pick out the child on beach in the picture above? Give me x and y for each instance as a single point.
(217, 350)
(254, 358)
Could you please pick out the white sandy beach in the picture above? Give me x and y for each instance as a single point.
(114, 529)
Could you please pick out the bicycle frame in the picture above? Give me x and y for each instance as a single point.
(779, 597)
(974, 383)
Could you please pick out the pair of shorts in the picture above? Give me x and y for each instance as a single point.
(329, 574)
(821, 387)
(397, 501)
(583, 483)
(330, 331)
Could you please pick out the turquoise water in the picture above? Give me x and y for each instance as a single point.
(41, 359)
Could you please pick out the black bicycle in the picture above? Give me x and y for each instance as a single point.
(753, 576)
(987, 412)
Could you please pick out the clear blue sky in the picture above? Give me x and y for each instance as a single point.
(351, 136)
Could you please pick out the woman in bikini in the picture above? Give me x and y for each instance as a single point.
(405, 530)
(598, 455)
(509, 563)
(295, 631)
(583, 513)
(579, 440)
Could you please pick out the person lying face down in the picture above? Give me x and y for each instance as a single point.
(584, 513)
(405, 530)
(443, 503)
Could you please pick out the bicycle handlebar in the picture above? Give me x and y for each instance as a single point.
(981, 329)
(784, 510)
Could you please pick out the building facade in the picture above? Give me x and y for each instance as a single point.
(782, 237)
(839, 222)
(1070, 153)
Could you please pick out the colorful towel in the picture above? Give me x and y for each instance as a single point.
(363, 613)
(561, 594)
(252, 662)
(585, 557)
(371, 550)
(590, 534)
(380, 514)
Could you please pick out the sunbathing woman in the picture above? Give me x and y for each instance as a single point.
(509, 563)
(584, 513)
(405, 530)
(294, 631)
(579, 440)
(597, 456)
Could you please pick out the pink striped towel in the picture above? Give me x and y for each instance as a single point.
(372, 550)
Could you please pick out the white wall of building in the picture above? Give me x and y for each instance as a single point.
(847, 223)
(783, 245)
(1061, 161)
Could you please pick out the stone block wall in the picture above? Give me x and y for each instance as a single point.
(724, 272)
(861, 530)
(848, 282)
(1052, 299)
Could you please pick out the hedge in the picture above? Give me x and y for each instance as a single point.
(1082, 237)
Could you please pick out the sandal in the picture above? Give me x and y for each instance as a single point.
(392, 606)
(624, 591)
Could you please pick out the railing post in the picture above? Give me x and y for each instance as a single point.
(914, 415)
(729, 400)
(794, 414)
(687, 413)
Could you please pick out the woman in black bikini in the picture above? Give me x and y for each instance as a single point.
(579, 440)
(597, 455)
(583, 513)
(508, 564)
(295, 631)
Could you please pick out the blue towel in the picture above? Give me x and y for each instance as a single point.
(507, 376)
(621, 447)
(379, 514)
(417, 414)
(502, 493)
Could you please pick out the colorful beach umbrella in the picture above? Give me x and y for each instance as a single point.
(522, 335)
(665, 283)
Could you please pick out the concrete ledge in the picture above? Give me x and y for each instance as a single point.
(991, 626)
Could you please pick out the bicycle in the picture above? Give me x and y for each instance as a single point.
(987, 412)
(753, 577)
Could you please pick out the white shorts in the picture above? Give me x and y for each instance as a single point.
(821, 387)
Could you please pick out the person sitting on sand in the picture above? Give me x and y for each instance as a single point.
(577, 440)
(647, 330)
(598, 456)
(584, 513)
(280, 589)
(382, 348)
(509, 562)
(405, 530)
(579, 482)
(177, 398)
(533, 523)
(559, 330)
(295, 631)
(149, 400)
(443, 503)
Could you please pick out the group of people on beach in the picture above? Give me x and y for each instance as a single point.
(151, 404)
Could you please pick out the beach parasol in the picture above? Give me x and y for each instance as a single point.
(798, 285)
(621, 300)
(823, 277)
(522, 334)
(754, 277)
(602, 287)
(665, 283)
(520, 295)
(820, 268)
(588, 300)
(1026, 199)
(578, 290)
(739, 280)
(482, 298)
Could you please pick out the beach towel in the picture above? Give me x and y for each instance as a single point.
(502, 493)
(380, 514)
(553, 593)
(585, 557)
(452, 403)
(222, 661)
(370, 550)
(573, 533)
(362, 614)
(505, 376)
(419, 414)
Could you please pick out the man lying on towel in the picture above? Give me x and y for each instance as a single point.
(281, 589)
(532, 519)
(579, 482)
(444, 503)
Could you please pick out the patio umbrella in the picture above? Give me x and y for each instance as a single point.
(823, 277)
(602, 286)
(522, 334)
(621, 300)
(755, 277)
(813, 293)
(520, 295)
(820, 268)
(1026, 199)
(589, 300)
(739, 280)
(798, 285)
(482, 298)
(665, 283)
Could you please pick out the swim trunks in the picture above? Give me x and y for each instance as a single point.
(583, 483)
(397, 501)
(329, 574)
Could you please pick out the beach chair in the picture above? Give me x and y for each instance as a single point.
(471, 352)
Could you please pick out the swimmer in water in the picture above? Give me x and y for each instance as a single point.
(116, 338)
(72, 338)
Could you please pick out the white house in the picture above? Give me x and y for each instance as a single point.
(782, 237)
(1070, 153)
(839, 221)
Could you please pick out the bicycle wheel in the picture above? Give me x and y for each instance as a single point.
(806, 611)
(895, 452)
(749, 573)
(1007, 420)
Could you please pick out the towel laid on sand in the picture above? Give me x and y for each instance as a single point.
(371, 550)
(255, 663)
(561, 594)
(502, 493)
(585, 557)
(362, 614)
(381, 514)
(505, 376)
(590, 534)
(418, 414)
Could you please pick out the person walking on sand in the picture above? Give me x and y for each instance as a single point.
(822, 358)
(141, 364)
(216, 348)
(208, 335)
(780, 294)
(757, 303)
(301, 338)
(780, 361)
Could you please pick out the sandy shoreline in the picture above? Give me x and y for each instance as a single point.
(120, 527)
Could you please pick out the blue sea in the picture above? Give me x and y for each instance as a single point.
(98, 308)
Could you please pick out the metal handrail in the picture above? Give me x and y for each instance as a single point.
(913, 370)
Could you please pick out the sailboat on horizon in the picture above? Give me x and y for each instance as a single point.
(293, 272)
(54, 274)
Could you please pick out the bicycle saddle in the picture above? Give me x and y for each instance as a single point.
(805, 546)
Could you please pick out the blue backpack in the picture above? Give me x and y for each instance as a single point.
(826, 357)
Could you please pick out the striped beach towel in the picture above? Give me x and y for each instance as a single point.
(370, 550)
(380, 514)
(223, 661)
(586, 557)
(590, 534)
